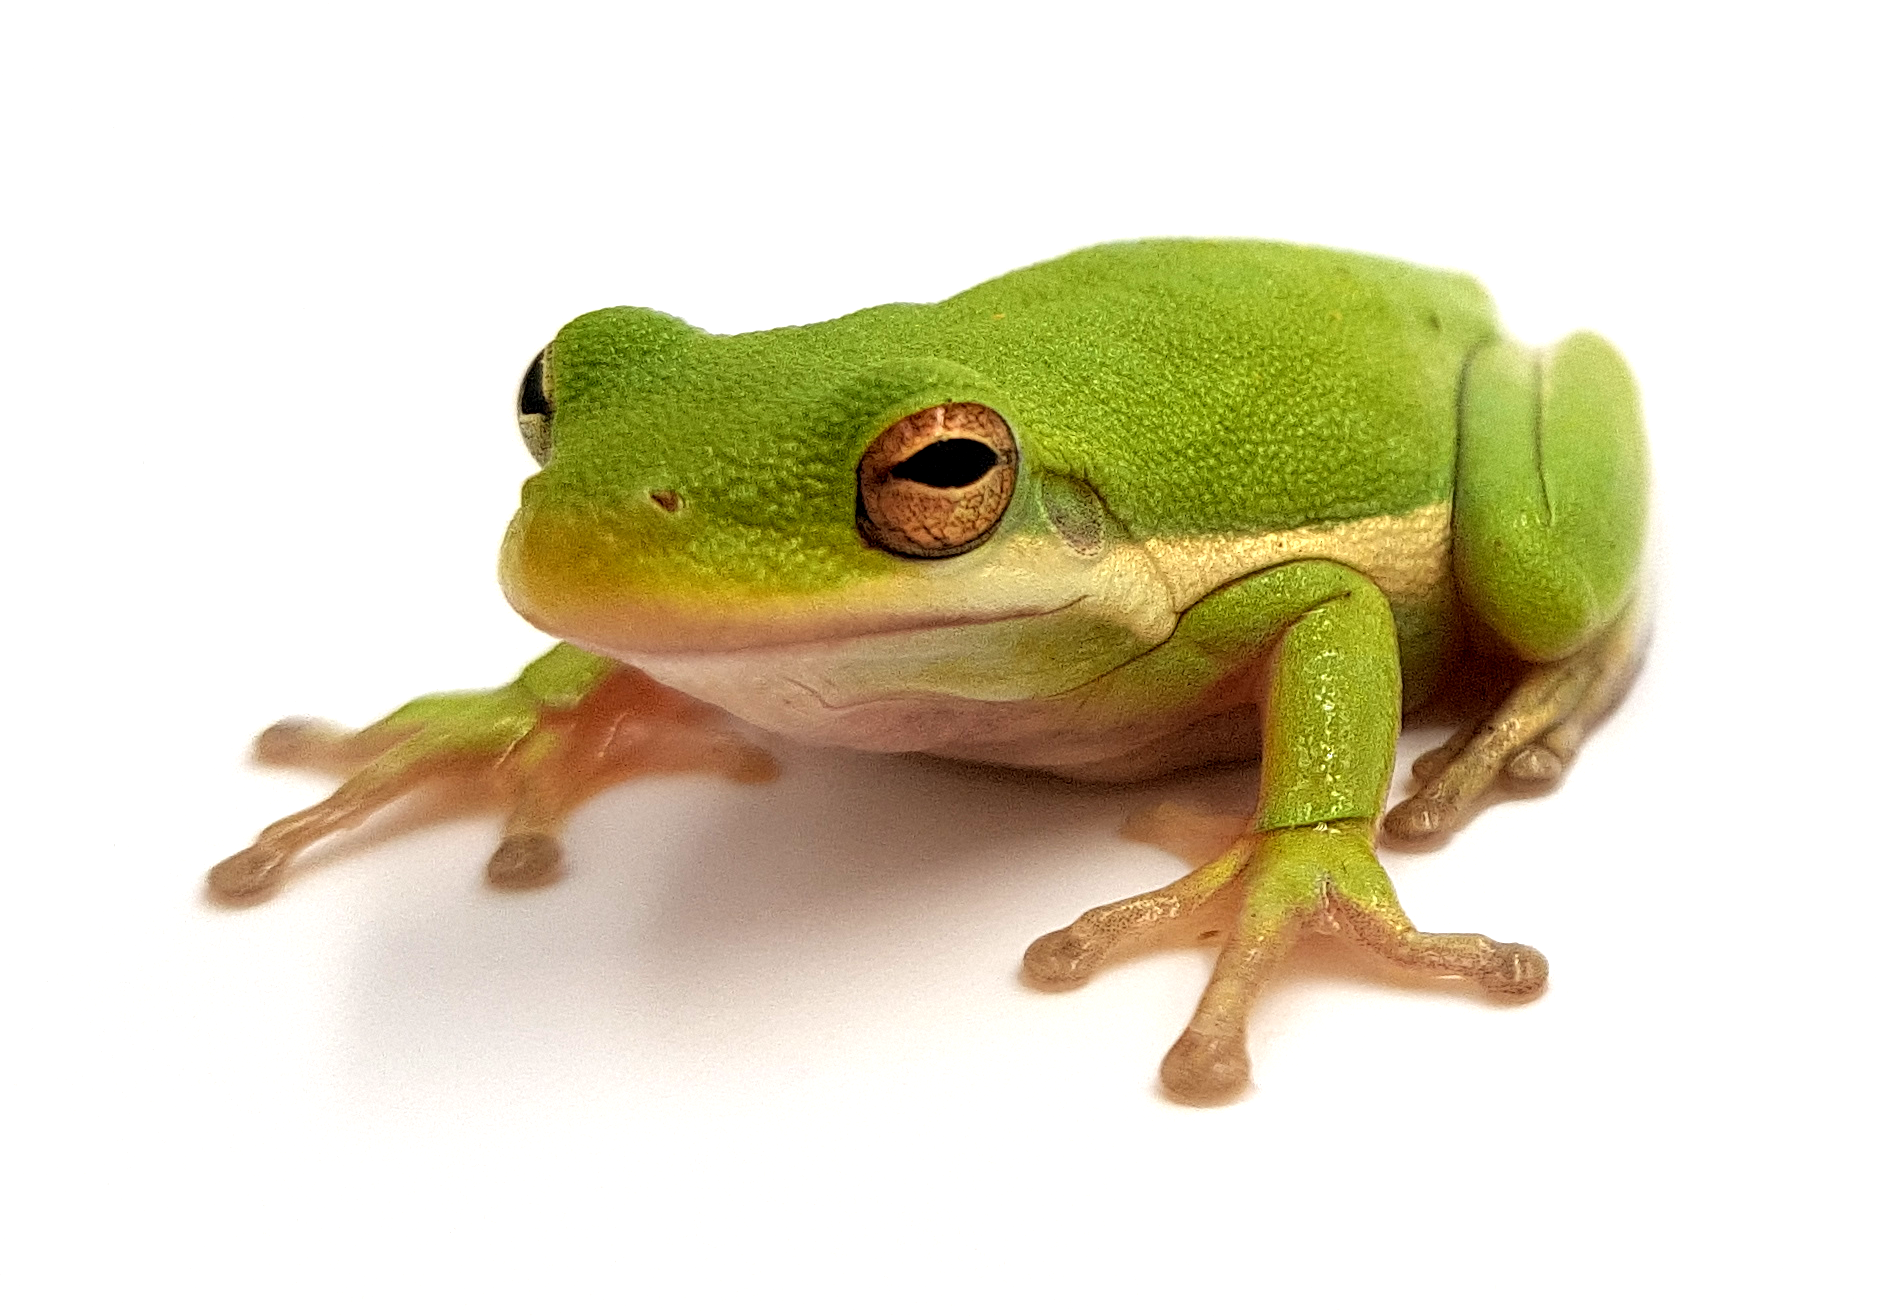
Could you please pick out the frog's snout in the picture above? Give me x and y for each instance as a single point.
(622, 577)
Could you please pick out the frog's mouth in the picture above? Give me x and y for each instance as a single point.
(632, 627)
(610, 601)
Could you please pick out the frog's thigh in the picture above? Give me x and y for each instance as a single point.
(1550, 493)
(1550, 503)
(1329, 731)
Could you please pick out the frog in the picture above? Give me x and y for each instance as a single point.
(1144, 507)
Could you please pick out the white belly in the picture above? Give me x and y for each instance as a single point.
(812, 693)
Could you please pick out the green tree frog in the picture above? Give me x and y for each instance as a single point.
(1145, 506)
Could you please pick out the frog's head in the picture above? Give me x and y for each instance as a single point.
(703, 494)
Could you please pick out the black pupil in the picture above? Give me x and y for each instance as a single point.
(948, 464)
(531, 400)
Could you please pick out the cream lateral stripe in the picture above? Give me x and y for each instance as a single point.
(1406, 554)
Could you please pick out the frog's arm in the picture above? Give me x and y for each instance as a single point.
(1329, 731)
(569, 724)
(1550, 506)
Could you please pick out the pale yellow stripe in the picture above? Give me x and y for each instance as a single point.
(1406, 554)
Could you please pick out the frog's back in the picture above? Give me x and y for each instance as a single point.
(1227, 386)
(1241, 404)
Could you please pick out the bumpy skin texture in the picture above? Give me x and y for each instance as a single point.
(1545, 553)
(1203, 500)
(1140, 369)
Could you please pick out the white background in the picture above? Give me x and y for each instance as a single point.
(270, 278)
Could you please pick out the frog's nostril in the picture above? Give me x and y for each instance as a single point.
(666, 498)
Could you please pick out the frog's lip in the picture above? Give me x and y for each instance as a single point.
(613, 603)
(637, 631)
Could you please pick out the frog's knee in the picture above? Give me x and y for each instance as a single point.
(1551, 492)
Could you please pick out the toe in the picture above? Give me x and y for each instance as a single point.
(1431, 762)
(247, 875)
(1202, 1069)
(1534, 765)
(1059, 959)
(523, 860)
(1516, 971)
(1418, 817)
(297, 741)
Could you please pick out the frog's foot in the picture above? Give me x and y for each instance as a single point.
(1323, 878)
(1067, 957)
(544, 759)
(1528, 741)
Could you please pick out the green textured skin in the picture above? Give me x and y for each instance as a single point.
(1113, 594)
(1197, 386)
(563, 676)
(1551, 492)
(1155, 389)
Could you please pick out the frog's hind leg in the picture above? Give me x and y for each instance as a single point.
(1529, 740)
(1614, 660)
(1550, 507)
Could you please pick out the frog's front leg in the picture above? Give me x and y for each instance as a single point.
(1331, 708)
(570, 724)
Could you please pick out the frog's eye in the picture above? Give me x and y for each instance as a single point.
(534, 406)
(937, 482)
